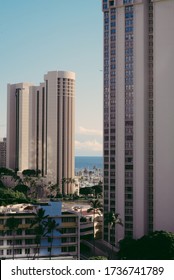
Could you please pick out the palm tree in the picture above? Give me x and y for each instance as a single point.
(51, 225)
(96, 208)
(39, 224)
(12, 224)
(113, 219)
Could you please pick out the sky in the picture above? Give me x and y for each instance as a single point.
(37, 36)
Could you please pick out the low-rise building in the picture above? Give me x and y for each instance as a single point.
(21, 242)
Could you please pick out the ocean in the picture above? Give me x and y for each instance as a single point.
(88, 162)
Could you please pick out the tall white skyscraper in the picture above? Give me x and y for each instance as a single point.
(43, 128)
(18, 125)
(52, 126)
(3, 152)
(138, 115)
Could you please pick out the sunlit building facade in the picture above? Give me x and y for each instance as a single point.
(52, 127)
(3, 148)
(41, 126)
(138, 116)
(18, 126)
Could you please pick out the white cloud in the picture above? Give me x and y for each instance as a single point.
(87, 131)
(89, 146)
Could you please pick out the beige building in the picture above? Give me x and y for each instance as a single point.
(18, 125)
(3, 152)
(41, 128)
(138, 115)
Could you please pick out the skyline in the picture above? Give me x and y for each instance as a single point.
(38, 37)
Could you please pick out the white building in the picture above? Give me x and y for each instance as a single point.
(18, 125)
(40, 128)
(138, 115)
(3, 152)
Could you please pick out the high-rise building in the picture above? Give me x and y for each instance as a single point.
(3, 152)
(18, 125)
(40, 128)
(52, 128)
(138, 116)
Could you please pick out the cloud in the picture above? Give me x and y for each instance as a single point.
(89, 146)
(87, 131)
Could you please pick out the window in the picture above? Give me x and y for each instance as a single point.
(71, 249)
(18, 242)
(28, 220)
(29, 241)
(27, 251)
(19, 232)
(9, 242)
(68, 219)
(17, 251)
(9, 252)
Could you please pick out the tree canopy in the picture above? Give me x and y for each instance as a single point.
(30, 172)
(7, 172)
(158, 245)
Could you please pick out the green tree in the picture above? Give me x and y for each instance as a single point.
(29, 172)
(96, 208)
(39, 225)
(22, 188)
(8, 196)
(51, 226)
(158, 245)
(98, 189)
(1, 185)
(86, 191)
(112, 219)
(7, 172)
(12, 224)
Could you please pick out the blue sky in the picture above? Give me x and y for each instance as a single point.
(37, 36)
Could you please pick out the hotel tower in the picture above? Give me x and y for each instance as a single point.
(40, 127)
(138, 116)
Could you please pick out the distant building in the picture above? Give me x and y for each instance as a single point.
(52, 127)
(41, 126)
(3, 152)
(66, 236)
(18, 126)
(138, 116)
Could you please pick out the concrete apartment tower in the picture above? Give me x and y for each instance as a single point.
(52, 126)
(3, 152)
(138, 116)
(41, 126)
(18, 126)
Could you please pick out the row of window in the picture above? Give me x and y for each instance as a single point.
(35, 250)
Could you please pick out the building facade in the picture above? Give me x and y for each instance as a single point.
(20, 242)
(18, 125)
(138, 115)
(3, 152)
(40, 128)
(52, 128)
